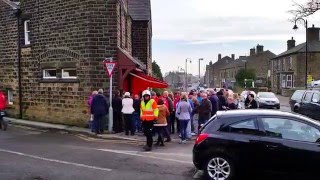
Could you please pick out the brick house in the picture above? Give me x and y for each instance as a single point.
(63, 45)
(289, 67)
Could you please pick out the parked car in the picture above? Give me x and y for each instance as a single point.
(267, 100)
(247, 141)
(244, 94)
(306, 102)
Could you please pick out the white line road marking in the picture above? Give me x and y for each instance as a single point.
(54, 160)
(137, 153)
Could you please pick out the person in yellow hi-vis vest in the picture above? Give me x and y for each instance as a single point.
(148, 114)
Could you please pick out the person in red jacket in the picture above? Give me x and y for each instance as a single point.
(3, 103)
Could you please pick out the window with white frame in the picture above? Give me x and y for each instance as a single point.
(10, 97)
(49, 73)
(26, 32)
(284, 79)
(70, 73)
(289, 81)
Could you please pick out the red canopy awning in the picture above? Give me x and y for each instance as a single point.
(141, 82)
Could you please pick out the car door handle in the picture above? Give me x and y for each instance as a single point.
(271, 146)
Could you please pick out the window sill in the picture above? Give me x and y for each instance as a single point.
(59, 81)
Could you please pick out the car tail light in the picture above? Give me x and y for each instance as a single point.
(201, 138)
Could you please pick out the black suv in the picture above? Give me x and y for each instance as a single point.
(306, 102)
(249, 141)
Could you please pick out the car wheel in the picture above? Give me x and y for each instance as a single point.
(219, 167)
(278, 107)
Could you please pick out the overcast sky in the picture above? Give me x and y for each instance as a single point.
(204, 28)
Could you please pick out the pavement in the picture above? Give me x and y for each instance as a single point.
(74, 129)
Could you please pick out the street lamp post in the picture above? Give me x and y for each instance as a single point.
(200, 59)
(295, 27)
(187, 60)
(245, 69)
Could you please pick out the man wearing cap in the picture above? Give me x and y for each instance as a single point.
(149, 114)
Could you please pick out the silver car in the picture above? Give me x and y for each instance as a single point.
(267, 100)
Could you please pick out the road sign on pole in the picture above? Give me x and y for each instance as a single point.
(110, 66)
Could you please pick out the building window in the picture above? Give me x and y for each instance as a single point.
(289, 81)
(279, 65)
(49, 73)
(10, 97)
(283, 64)
(290, 65)
(27, 32)
(69, 73)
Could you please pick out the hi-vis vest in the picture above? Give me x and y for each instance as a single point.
(149, 111)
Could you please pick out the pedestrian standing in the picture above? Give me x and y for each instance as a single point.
(204, 110)
(161, 124)
(252, 104)
(149, 114)
(236, 99)
(99, 108)
(117, 115)
(222, 100)
(230, 104)
(184, 110)
(89, 107)
(189, 132)
(127, 110)
(136, 114)
(169, 104)
(214, 102)
(3, 103)
(172, 114)
(176, 101)
(195, 114)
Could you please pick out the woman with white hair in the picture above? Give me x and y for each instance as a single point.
(127, 110)
(184, 110)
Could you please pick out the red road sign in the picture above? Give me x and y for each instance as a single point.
(110, 66)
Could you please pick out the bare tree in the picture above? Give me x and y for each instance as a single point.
(305, 10)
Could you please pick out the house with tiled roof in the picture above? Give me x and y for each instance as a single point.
(289, 71)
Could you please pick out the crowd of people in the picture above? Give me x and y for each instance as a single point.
(163, 114)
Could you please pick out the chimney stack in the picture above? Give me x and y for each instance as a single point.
(313, 33)
(291, 43)
(259, 49)
(219, 57)
(252, 51)
(233, 56)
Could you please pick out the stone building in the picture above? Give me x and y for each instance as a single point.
(223, 72)
(63, 44)
(289, 68)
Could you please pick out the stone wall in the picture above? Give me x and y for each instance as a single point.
(141, 42)
(64, 34)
